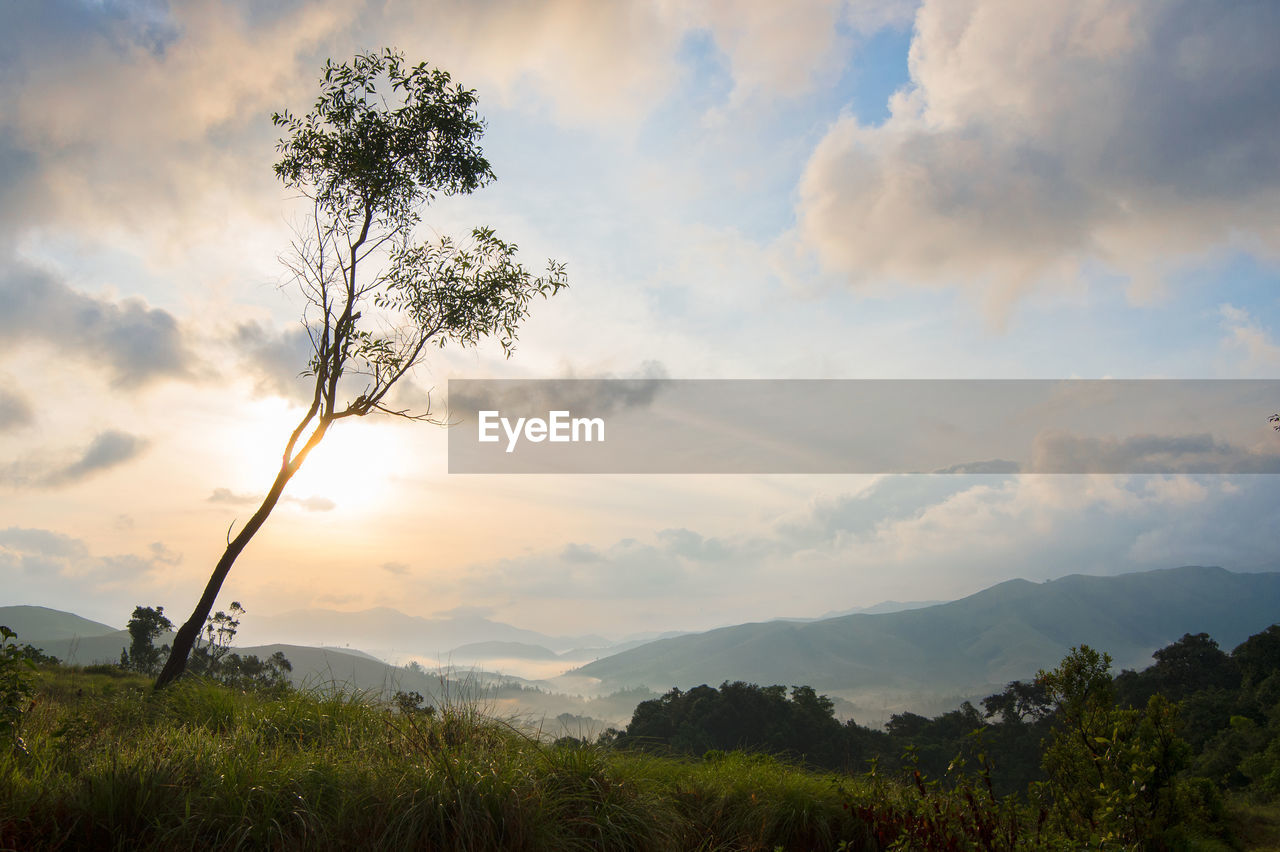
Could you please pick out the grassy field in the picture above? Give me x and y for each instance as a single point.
(110, 765)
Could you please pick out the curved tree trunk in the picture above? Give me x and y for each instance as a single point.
(186, 637)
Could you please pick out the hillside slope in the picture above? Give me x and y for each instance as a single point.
(1006, 632)
(41, 622)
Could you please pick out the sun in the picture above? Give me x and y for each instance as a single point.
(355, 467)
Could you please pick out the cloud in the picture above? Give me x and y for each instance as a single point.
(15, 410)
(107, 450)
(952, 535)
(276, 359)
(1062, 452)
(312, 504)
(226, 496)
(54, 555)
(1036, 138)
(596, 396)
(1245, 334)
(133, 116)
(987, 466)
(110, 132)
(397, 568)
(136, 343)
(775, 48)
(42, 543)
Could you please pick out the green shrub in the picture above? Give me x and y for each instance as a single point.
(17, 686)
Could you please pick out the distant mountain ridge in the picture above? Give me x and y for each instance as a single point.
(42, 622)
(950, 650)
(387, 632)
(1005, 632)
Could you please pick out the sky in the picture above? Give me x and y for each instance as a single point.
(830, 189)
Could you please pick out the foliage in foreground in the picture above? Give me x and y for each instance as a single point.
(110, 764)
(107, 763)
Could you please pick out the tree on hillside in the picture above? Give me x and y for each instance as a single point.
(381, 141)
(749, 717)
(1258, 657)
(1188, 666)
(1111, 771)
(145, 626)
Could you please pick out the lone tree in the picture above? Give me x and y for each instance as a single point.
(381, 141)
(145, 626)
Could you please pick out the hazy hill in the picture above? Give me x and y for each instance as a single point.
(41, 622)
(312, 666)
(883, 606)
(83, 651)
(1003, 633)
(390, 633)
(501, 650)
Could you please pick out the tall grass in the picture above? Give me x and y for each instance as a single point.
(109, 764)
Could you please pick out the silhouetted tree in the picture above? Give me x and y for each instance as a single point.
(381, 141)
(1193, 664)
(145, 625)
(749, 717)
(1020, 702)
(1258, 657)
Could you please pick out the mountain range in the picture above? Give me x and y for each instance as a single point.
(389, 633)
(925, 658)
(1003, 633)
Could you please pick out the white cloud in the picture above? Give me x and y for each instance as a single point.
(950, 535)
(1039, 137)
(135, 342)
(1245, 335)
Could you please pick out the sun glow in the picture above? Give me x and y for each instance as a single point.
(354, 466)
(353, 469)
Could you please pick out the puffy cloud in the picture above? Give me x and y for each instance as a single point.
(136, 115)
(134, 120)
(276, 359)
(136, 343)
(591, 63)
(107, 450)
(786, 50)
(1038, 137)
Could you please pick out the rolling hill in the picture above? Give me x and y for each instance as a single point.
(41, 622)
(1003, 633)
